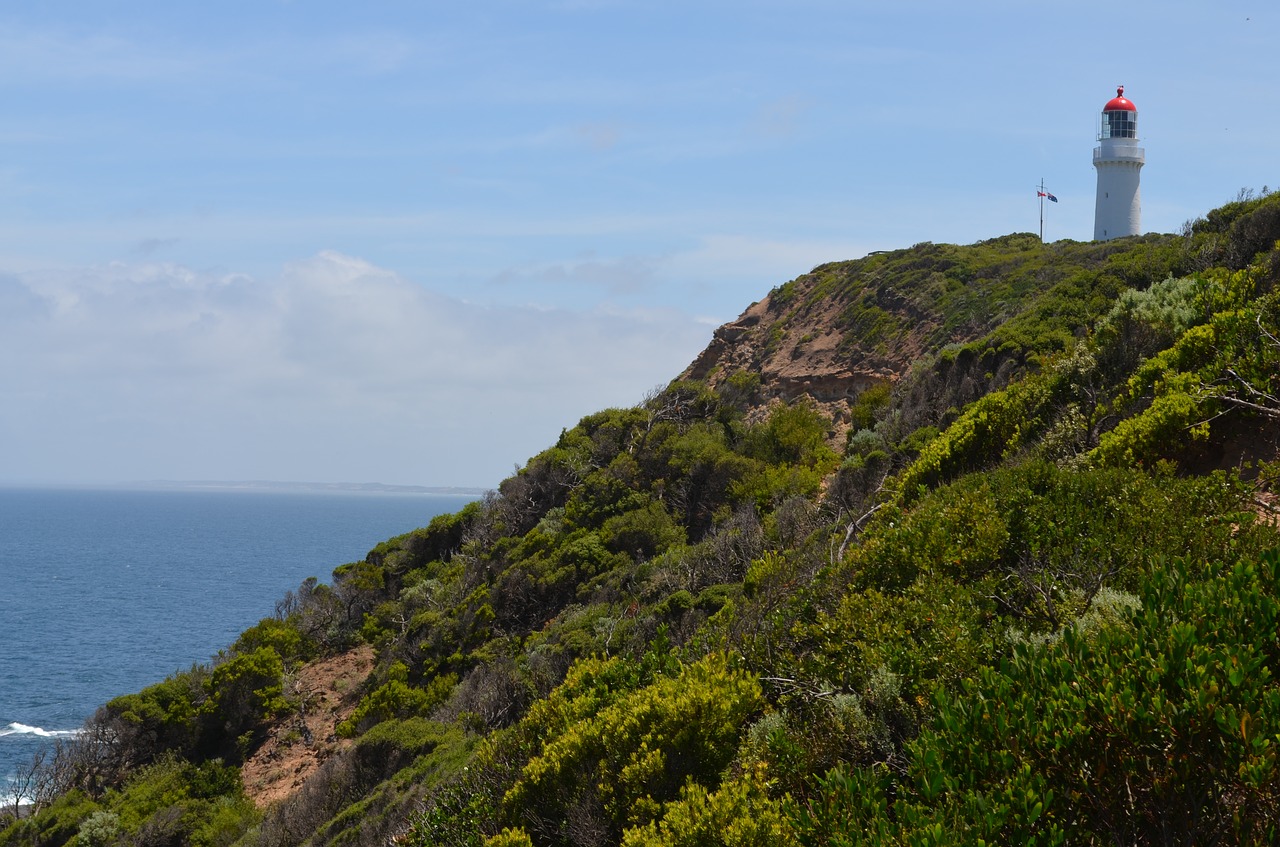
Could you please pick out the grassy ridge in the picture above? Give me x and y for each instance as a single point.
(1028, 600)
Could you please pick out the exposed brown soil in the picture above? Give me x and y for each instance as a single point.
(328, 691)
(797, 354)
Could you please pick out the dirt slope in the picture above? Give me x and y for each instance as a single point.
(328, 691)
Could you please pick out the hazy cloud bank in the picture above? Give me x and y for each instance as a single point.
(334, 369)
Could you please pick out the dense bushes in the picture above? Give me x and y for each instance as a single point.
(1017, 609)
(204, 712)
(1159, 729)
(614, 744)
(169, 801)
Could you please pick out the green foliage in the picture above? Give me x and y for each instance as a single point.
(397, 699)
(54, 825)
(1174, 397)
(740, 813)
(168, 801)
(600, 497)
(161, 717)
(793, 434)
(465, 809)
(1234, 234)
(1163, 311)
(791, 446)
(99, 829)
(243, 694)
(771, 486)
(435, 542)
(509, 838)
(928, 637)
(863, 411)
(174, 783)
(961, 533)
(203, 712)
(359, 581)
(1162, 730)
(626, 753)
(1028, 534)
(1175, 416)
(740, 388)
(1011, 296)
(642, 532)
(411, 737)
(963, 631)
(364, 793)
(985, 433)
(281, 636)
(456, 816)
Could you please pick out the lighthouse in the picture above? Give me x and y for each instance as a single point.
(1118, 159)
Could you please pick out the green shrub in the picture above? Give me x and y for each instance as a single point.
(397, 699)
(509, 838)
(167, 716)
(244, 693)
(627, 753)
(1161, 731)
(739, 813)
(53, 825)
(99, 829)
(281, 636)
(793, 434)
(870, 401)
(987, 432)
(643, 533)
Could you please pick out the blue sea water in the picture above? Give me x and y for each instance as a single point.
(103, 592)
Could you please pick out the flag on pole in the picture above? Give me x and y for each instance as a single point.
(1042, 194)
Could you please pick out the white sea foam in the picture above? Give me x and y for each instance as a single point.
(6, 802)
(16, 728)
(7, 798)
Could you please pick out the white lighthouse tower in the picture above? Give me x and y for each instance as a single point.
(1119, 159)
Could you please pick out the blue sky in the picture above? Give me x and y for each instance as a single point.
(408, 242)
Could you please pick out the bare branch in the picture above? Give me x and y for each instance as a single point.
(856, 526)
(808, 690)
(1260, 401)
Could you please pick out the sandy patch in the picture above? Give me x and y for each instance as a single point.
(328, 691)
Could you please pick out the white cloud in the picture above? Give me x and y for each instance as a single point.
(335, 369)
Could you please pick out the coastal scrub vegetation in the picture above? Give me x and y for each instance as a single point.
(1028, 594)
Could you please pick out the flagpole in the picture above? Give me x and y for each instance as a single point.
(1041, 194)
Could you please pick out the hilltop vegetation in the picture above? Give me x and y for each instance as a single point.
(947, 545)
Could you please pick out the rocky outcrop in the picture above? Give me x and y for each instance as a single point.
(798, 346)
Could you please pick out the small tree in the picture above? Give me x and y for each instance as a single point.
(99, 829)
(243, 693)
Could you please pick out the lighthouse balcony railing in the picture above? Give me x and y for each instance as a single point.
(1119, 153)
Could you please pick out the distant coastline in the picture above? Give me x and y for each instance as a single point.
(266, 486)
(319, 487)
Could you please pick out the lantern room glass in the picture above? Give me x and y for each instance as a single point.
(1119, 124)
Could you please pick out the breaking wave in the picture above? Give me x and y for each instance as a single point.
(37, 732)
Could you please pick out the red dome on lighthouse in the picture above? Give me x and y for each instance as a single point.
(1119, 103)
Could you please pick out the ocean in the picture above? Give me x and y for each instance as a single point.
(103, 592)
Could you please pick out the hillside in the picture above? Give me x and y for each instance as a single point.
(831, 333)
(954, 544)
